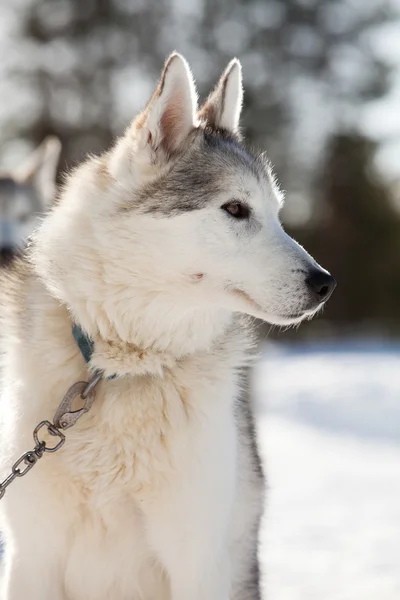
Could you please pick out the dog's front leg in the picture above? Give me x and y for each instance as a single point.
(190, 539)
(189, 527)
(30, 578)
(35, 540)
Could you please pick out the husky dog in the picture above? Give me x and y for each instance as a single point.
(157, 250)
(24, 195)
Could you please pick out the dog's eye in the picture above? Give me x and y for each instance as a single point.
(237, 209)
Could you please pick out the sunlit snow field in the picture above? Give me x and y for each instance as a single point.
(329, 427)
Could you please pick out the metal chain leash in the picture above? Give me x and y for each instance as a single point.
(64, 418)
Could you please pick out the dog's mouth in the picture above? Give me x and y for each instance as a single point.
(302, 314)
(241, 294)
(260, 312)
(293, 316)
(283, 319)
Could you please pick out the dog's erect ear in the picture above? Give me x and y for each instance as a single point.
(170, 115)
(40, 169)
(223, 106)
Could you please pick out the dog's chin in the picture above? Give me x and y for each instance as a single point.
(294, 318)
(256, 310)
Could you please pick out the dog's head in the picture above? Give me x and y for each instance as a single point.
(24, 194)
(178, 220)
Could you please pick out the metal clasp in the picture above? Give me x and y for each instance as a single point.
(53, 431)
(65, 417)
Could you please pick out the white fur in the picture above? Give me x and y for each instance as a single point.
(164, 126)
(142, 493)
(233, 97)
(178, 96)
(226, 99)
(154, 494)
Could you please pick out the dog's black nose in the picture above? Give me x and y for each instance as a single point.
(321, 284)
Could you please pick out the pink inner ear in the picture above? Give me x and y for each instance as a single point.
(172, 125)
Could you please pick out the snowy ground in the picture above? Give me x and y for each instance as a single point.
(329, 426)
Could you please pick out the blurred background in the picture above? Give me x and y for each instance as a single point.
(322, 96)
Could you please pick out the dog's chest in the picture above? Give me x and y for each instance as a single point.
(137, 442)
(136, 434)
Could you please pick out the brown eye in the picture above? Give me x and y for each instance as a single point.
(236, 209)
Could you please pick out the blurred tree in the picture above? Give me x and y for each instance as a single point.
(355, 233)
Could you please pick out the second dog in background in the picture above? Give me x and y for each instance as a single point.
(25, 193)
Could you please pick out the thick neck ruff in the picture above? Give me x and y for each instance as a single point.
(118, 358)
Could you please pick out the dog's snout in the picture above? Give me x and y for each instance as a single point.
(321, 284)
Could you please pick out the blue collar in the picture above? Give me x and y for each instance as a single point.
(85, 345)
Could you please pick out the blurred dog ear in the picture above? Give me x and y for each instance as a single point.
(222, 108)
(169, 117)
(40, 169)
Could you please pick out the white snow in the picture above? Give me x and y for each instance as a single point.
(329, 429)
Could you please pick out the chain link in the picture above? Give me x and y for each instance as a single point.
(64, 418)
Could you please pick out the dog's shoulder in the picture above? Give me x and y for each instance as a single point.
(13, 279)
(16, 281)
